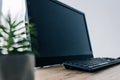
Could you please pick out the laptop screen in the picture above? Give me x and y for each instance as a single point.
(61, 30)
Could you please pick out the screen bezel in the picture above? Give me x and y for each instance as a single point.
(44, 61)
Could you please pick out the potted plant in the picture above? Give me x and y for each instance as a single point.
(16, 56)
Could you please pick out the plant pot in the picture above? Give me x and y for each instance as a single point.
(17, 67)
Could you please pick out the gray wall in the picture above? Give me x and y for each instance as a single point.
(0, 19)
(103, 18)
(0, 5)
(14, 7)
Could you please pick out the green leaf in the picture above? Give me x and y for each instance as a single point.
(3, 28)
(23, 33)
(24, 46)
(22, 41)
(18, 29)
(1, 35)
(17, 24)
(8, 19)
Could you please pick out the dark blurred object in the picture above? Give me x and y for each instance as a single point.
(118, 57)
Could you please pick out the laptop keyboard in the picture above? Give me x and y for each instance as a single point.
(91, 64)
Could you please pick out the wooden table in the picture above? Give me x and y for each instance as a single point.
(58, 72)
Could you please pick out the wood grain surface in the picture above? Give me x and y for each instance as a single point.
(58, 72)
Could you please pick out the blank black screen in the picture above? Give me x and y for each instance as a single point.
(60, 30)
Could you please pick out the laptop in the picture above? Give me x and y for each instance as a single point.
(62, 37)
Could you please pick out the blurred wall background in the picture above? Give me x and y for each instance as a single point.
(0, 5)
(14, 7)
